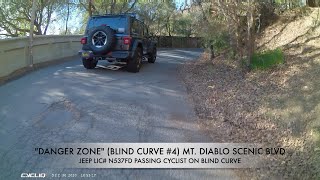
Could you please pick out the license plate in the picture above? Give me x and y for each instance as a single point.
(85, 54)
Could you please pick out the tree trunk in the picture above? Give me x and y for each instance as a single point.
(112, 7)
(50, 11)
(33, 16)
(90, 8)
(68, 14)
(250, 31)
(168, 26)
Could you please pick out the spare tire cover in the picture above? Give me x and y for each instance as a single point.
(101, 39)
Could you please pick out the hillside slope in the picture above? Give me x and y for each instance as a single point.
(300, 33)
(278, 107)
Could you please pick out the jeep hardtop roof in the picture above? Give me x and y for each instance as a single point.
(132, 15)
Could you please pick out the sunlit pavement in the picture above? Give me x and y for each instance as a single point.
(67, 103)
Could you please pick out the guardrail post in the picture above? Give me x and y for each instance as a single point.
(211, 52)
(26, 52)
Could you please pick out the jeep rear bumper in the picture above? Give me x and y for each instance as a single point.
(111, 55)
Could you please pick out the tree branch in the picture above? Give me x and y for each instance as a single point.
(131, 7)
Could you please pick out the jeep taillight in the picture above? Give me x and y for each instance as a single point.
(127, 40)
(84, 40)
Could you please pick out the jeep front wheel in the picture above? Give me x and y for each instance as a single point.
(134, 64)
(89, 63)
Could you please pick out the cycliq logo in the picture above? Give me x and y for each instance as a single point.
(33, 175)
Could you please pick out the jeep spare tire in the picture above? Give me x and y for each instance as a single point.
(101, 39)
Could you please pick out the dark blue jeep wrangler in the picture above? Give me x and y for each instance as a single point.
(121, 39)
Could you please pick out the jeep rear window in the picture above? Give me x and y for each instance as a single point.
(113, 22)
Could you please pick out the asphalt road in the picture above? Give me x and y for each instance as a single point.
(66, 103)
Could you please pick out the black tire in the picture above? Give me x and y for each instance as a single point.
(153, 56)
(104, 46)
(89, 63)
(134, 64)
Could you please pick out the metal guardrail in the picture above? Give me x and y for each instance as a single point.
(178, 42)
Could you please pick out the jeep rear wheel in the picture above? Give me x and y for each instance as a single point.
(153, 56)
(101, 39)
(134, 64)
(89, 63)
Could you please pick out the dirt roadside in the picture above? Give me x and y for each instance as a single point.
(268, 107)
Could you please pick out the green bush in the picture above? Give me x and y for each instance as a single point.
(219, 41)
(267, 59)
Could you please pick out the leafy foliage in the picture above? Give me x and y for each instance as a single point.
(267, 59)
(202, 18)
(15, 16)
